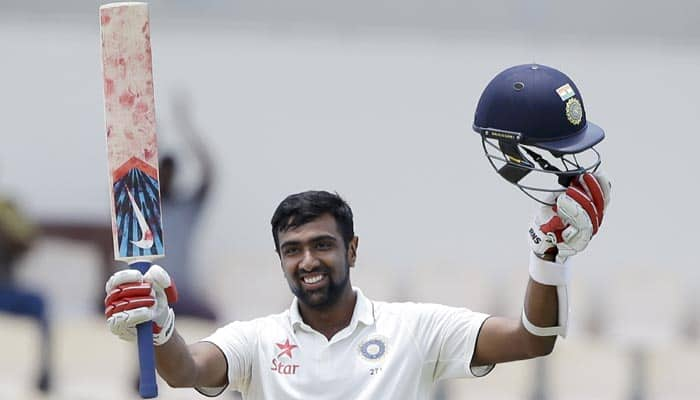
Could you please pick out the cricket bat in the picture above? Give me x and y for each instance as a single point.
(132, 153)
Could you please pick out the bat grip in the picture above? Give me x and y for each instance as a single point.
(148, 388)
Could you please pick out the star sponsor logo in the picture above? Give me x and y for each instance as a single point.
(285, 351)
(286, 348)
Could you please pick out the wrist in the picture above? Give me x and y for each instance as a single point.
(549, 272)
(551, 257)
(162, 333)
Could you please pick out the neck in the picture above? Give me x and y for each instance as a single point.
(333, 319)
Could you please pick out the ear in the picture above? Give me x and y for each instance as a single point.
(352, 250)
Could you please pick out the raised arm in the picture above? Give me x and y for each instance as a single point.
(556, 234)
(506, 339)
(133, 298)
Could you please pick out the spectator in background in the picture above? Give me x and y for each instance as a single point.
(95, 234)
(181, 212)
(17, 234)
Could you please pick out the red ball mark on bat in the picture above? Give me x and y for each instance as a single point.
(148, 154)
(109, 87)
(142, 119)
(105, 19)
(141, 107)
(126, 99)
(109, 131)
(129, 135)
(146, 31)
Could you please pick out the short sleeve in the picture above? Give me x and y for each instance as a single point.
(447, 337)
(237, 341)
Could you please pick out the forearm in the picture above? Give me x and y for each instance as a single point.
(542, 309)
(175, 363)
(506, 339)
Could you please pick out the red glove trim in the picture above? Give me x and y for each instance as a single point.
(581, 198)
(128, 290)
(592, 187)
(130, 304)
(171, 293)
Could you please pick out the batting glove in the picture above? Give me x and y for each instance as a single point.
(133, 298)
(566, 228)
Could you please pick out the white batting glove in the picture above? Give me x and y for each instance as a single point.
(567, 228)
(133, 298)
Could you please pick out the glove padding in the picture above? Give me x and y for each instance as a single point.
(566, 228)
(133, 298)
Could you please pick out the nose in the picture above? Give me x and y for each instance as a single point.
(308, 261)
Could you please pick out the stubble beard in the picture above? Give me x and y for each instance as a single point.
(326, 297)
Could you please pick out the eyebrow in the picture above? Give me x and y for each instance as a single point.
(312, 240)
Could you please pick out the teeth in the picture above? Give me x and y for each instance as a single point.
(312, 279)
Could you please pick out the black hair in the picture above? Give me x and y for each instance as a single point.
(301, 208)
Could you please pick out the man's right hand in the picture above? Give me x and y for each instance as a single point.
(133, 298)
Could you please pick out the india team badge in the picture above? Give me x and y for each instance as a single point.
(574, 111)
(374, 348)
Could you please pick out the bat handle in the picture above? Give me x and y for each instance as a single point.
(148, 388)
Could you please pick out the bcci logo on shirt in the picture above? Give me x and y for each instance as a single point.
(282, 362)
(374, 348)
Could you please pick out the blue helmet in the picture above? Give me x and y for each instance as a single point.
(530, 107)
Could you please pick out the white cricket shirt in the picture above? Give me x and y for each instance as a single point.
(388, 351)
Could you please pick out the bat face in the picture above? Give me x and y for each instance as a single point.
(131, 135)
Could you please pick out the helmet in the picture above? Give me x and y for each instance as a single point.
(530, 107)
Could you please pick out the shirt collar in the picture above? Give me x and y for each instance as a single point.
(363, 312)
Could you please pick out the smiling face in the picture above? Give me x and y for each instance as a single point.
(316, 262)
